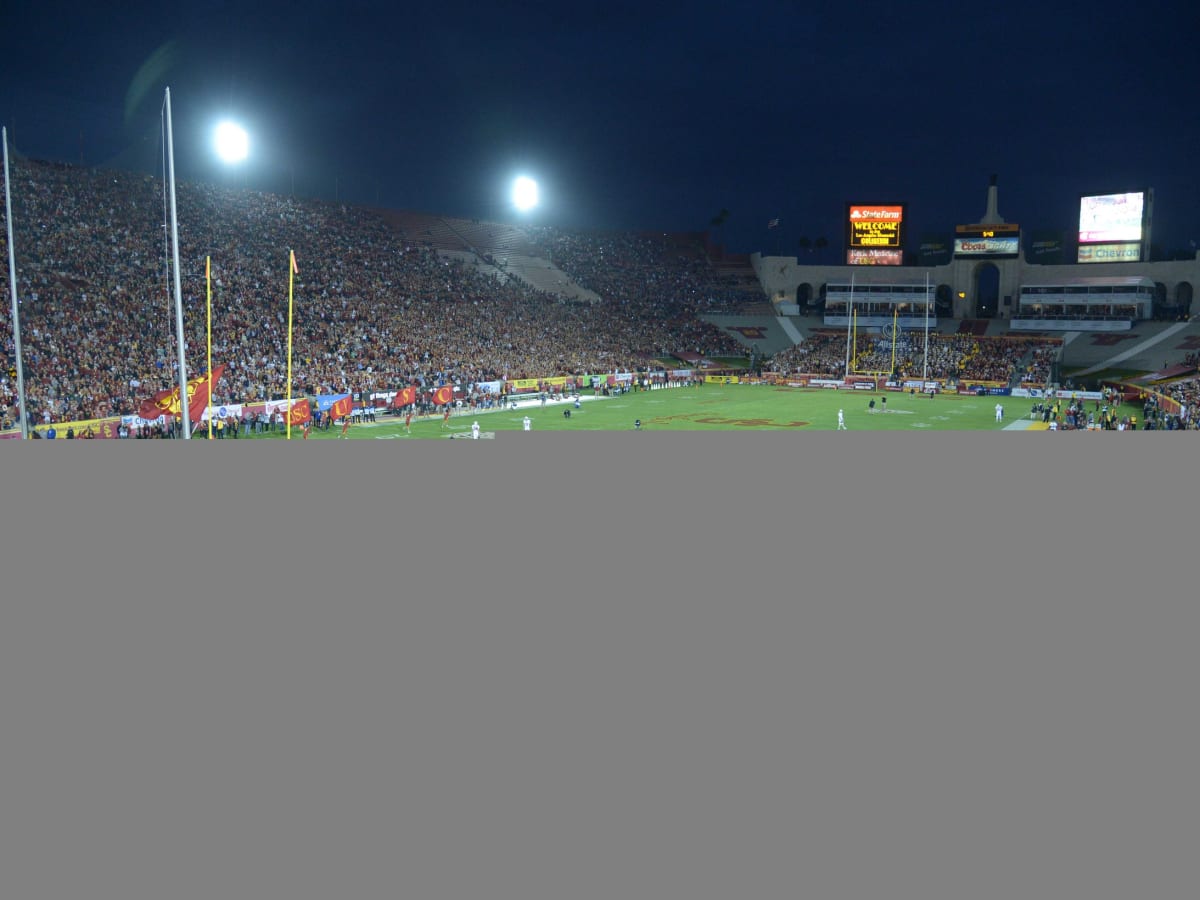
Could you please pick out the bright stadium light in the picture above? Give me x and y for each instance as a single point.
(525, 193)
(232, 142)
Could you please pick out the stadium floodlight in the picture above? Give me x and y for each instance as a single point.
(232, 142)
(525, 193)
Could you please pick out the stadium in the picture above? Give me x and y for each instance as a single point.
(335, 320)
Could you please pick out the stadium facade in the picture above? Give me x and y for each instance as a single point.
(975, 283)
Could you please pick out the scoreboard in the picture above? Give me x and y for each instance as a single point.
(999, 241)
(1115, 227)
(874, 233)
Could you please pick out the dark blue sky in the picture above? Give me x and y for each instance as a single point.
(635, 115)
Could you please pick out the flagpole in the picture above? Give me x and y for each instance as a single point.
(925, 372)
(849, 316)
(208, 282)
(22, 413)
(184, 408)
(854, 346)
(895, 322)
(291, 286)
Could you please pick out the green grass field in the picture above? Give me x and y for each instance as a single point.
(716, 408)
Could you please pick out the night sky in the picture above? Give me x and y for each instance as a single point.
(640, 116)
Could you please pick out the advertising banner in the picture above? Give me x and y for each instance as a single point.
(935, 250)
(1070, 325)
(1102, 253)
(1047, 248)
(536, 384)
(101, 428)
(874, 256)
(223, 412)
(1001, 245)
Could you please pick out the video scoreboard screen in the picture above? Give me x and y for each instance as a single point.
(875, 234)
(1114, 227)
(1002, 241)
(1112, 218)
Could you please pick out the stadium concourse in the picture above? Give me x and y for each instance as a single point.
(385, 300)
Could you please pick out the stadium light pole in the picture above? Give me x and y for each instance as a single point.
(22, 413)
(184, 411)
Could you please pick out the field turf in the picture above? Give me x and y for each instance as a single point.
(714, 407)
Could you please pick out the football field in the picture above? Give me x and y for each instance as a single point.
(714, 407)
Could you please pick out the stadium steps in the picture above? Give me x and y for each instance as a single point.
(492, 237)
(541, 275)
(766, 330)
(426, 229)
(1145, 354)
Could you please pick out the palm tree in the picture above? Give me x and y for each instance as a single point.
(819, 245)
(805, 243)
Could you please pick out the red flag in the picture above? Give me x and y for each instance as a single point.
(166, 403)
(443, 395)
(342, 407)
(300, 413)
(295, 268)
(404, 397)
(198, 397)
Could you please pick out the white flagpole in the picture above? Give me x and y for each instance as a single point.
(22, 412)
(184, 412)
(925, 377)
(849, 316)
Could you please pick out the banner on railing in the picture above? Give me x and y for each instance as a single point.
(224, 411)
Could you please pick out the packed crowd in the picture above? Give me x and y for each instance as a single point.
(1186, 393)
(372, 310)
(954, 356)
(648, 273)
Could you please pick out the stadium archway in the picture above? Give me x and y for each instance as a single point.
(987, 290)
(803, 296)
(1183, 298)
(943, 299)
